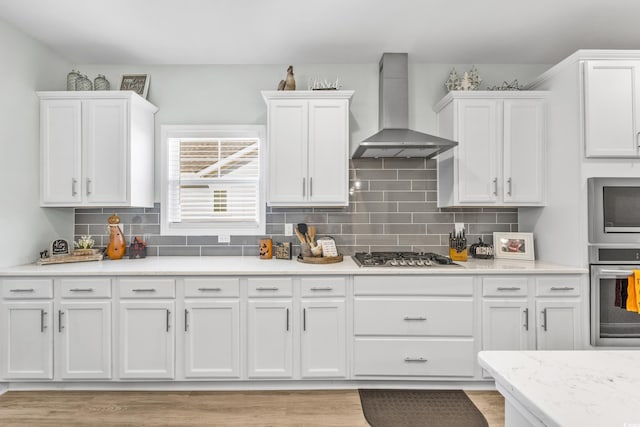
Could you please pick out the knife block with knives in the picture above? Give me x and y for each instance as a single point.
(458, 245)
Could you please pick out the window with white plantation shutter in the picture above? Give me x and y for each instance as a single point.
(212, 180)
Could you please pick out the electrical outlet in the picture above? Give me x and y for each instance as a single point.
(288, 229)
(224, 238)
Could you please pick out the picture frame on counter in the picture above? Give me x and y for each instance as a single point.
(513, 246)
(139, 83)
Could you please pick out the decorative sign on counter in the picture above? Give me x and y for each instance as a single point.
(283, 250)
(59, 247)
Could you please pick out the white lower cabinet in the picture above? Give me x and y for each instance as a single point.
(83, 340)
(147, 339)
(505, 325)
(270, 339)
(558, 325)
(212, 339)
(323, 339)
(27, 340)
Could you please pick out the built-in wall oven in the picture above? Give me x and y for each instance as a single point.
(611, 323)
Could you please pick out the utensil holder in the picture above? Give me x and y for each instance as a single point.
(305, 250)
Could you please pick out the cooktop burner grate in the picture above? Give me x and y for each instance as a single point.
(400, 259)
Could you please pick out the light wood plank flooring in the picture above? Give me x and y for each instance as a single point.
(333, 408)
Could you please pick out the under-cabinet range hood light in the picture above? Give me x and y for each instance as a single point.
(395, 139)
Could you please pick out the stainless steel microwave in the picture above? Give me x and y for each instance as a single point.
(614, 210)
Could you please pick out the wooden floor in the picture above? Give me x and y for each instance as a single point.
(237, 408)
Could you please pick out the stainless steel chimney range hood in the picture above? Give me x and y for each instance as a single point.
(395, 139)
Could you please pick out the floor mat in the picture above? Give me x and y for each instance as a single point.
(424, 408)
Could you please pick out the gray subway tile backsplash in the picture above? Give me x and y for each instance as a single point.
(393, 208)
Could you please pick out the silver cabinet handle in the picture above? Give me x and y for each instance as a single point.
(42, 325)
(562, 288)
(209, 289)
(186, 318)
(144, 290)
(168, 314)
(311, 187)
(509, 186)
(526, 319)
(60, 327)
(321, 288)
(544, 319)
(624, 273)
(89, 182)
(287, 324)
(304, 187)
(267, 288)
(81, 290)
(304, 319)
(22, 290)
(409, 318)
(415, 359)
(74, 183)
(638, 139)
(511, 288)
(495, 186)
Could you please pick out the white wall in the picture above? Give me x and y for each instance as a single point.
(25, 228)
(229, 94)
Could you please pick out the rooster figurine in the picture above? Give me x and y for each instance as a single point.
(289, 83)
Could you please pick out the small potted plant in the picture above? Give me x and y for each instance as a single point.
(84, 246)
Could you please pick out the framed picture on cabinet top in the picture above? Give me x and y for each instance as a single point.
(139, 83)
(513, 246)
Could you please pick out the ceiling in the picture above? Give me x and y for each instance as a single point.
(324, 31)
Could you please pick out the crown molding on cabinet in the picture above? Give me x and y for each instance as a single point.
(306, 94)
(488, 94)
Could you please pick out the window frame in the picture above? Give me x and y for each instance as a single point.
(169, 132)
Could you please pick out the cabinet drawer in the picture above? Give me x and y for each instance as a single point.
(558, 286)
(211, 287)
(413, 285)
(85, 288)
(27, 288)
(505, 287)
(270, 287)
(322, 286)
(147, 288)
(414, 357)
(420, 317)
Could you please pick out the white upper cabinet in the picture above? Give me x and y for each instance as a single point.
(499, 160)
(96, 149)
(308, 147)
(611, 114)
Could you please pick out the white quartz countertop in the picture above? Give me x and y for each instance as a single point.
(245, 266)
(571, 388)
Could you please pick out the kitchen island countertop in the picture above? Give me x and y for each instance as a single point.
(248, 266)
(567, 388)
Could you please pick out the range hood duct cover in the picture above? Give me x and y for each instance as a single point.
(395, 139)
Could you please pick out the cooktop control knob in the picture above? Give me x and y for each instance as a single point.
(420, 263)
(393, 262)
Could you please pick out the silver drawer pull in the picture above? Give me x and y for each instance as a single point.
(81, 290)
(319, 288)
(563, 288)
(415, 359)
(22, 290)
(144, 290)
(513, 288)
(266, 288)
(209, 289)
(409, 318)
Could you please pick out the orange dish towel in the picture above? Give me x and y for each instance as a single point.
(633, 290)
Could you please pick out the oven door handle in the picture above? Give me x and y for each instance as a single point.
(617, 273)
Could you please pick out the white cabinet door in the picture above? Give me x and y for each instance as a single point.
(506, 325)
(147, 339)
(611, 108)
(270, 339)
(524, 136)
(288, 138)
(27, 340)
(328, 151)
(478, 174)
(323, 342)
(558, 325)
(212, 339)
(105, 136)
(61, 155)
(83, 340)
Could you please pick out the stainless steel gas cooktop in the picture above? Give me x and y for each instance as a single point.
(402, 259)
